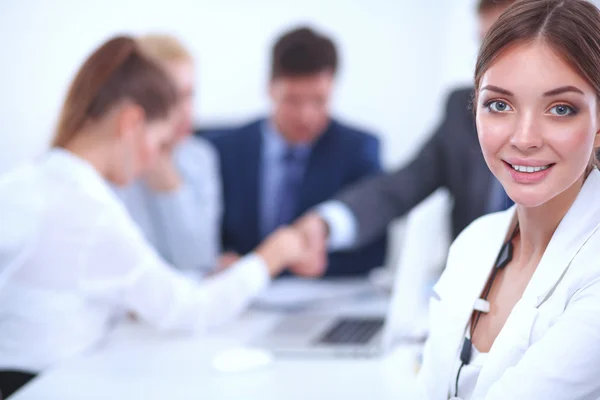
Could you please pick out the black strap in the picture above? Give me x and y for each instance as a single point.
(505, 256)
(11, 381)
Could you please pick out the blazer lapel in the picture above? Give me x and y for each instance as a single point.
(316, 179)
(250, 167)
(580, 222)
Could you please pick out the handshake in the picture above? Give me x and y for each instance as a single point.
(301, 247)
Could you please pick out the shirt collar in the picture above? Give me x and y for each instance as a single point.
(276, 145)
(78, 170)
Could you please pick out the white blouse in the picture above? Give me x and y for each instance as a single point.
(71, 260)
(549, 346)
(469, 373)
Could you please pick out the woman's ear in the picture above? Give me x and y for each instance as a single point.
(130, 120)
(596, 156)
(597, 135)
(596, 150)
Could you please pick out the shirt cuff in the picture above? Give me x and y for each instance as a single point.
(253, 271)
(342, 224)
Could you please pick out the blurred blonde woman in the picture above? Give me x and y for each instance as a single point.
(177, 201)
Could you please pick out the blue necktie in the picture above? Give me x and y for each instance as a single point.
(289, 188)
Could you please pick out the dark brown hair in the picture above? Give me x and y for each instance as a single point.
(116, 71)
(303, 51)
(570, 27)
(484, 6)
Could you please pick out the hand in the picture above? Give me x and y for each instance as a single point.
(227, 259)
(285, 246)
(162, 175)
(315, 232)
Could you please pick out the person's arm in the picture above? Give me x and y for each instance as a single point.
(190, 216)
(363, 212)
(121, 269)
(375, 202)
(564, 363)
(340, 224)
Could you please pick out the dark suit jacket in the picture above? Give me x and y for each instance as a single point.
(341, 156)
(451, 159)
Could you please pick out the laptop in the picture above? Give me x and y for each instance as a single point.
(360, 334)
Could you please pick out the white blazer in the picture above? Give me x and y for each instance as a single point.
(549, 347)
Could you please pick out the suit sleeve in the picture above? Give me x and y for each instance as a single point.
(378, 201)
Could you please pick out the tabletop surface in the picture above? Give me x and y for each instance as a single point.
(137, 362)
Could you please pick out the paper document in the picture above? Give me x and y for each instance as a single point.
(297, 293)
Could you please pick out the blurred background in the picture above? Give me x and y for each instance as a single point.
(398, 59)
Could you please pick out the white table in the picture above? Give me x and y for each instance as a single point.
(138, 363)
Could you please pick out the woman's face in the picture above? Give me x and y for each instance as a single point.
(182, 74)
(157, 135)
(140, 142)
(537, 122)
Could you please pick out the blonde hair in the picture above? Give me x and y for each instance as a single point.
(163, 48)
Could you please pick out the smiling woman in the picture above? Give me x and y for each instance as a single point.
(551, 100)
(537, 126)
(523, 285)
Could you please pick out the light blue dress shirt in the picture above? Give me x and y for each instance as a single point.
(272, 171)
(183, 226)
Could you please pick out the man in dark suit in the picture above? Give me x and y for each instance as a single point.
(276, 168)
(451, 159)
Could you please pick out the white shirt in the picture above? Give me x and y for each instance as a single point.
(82, 261)
(469, 373)
(341, 222)
(184, 226)
(549, 346)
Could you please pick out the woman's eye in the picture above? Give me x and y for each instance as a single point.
(561, 110)
(498, 106)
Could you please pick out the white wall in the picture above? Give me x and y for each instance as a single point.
(398, 58)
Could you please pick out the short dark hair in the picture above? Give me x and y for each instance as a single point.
(487, 5)
(303, 51)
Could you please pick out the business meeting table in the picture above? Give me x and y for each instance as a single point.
(136, 362)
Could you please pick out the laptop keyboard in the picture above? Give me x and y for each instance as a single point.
(352, 331)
